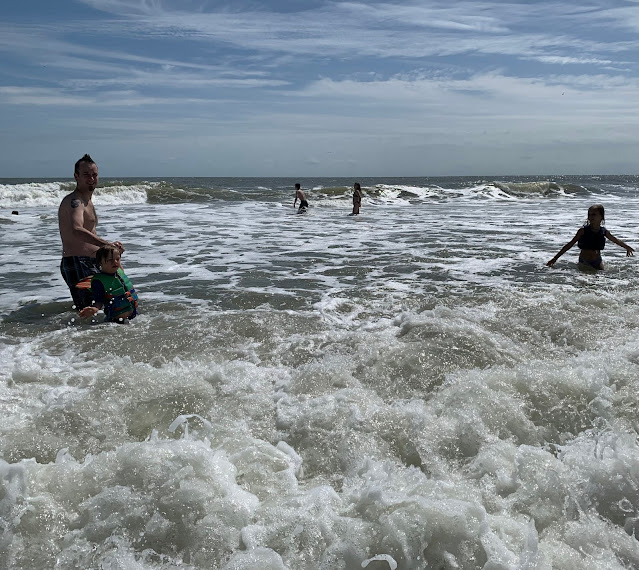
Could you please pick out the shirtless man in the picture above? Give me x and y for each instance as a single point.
(302, 198)
(77, 220)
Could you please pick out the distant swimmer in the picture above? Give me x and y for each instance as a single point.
(299, 194)
(591, 238)
(78, 221)
(357, 198)
(110, 289)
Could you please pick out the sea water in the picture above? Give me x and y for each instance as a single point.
(408, 388)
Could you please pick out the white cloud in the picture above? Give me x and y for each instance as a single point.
(35, 96)
(27, 96)
(350, 29)
(350, 79)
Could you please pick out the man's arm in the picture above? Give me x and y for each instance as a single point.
(76, 213)
(72, 216)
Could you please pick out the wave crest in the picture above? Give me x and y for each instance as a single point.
(45, 194)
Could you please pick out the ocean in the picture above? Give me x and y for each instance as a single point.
(410, 388)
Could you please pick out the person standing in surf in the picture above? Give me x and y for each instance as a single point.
(78, 221)
(591, 238)
(299, 194)
(357, 198)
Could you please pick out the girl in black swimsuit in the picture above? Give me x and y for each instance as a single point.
(591, 238)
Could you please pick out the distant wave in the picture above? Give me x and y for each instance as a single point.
(543, 188)
(18, 194)
(32, 194)
(123, 193)
(479, 189)
(166, 192)
(42, 194)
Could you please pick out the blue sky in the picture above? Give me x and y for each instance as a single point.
(318, 88)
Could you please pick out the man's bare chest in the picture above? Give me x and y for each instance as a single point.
(90, 217)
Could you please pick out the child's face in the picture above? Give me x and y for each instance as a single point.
(111, 264)
(594, 216)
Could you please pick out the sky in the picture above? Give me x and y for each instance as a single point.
(319, 88)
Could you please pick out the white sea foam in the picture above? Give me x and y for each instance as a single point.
(43, 194)
(412, 388)
(32, 194)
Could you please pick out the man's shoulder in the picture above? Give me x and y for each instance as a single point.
(73, 201)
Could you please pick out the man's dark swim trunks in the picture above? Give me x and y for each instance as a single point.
(74, 269)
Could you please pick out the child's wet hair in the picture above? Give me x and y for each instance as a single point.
(106, 252)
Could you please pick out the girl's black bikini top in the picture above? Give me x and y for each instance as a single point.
(592, 239)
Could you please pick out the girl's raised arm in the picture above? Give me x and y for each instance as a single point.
(613, 239)
(566, 247)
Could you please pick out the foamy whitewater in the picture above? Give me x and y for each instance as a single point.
(411, 388)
